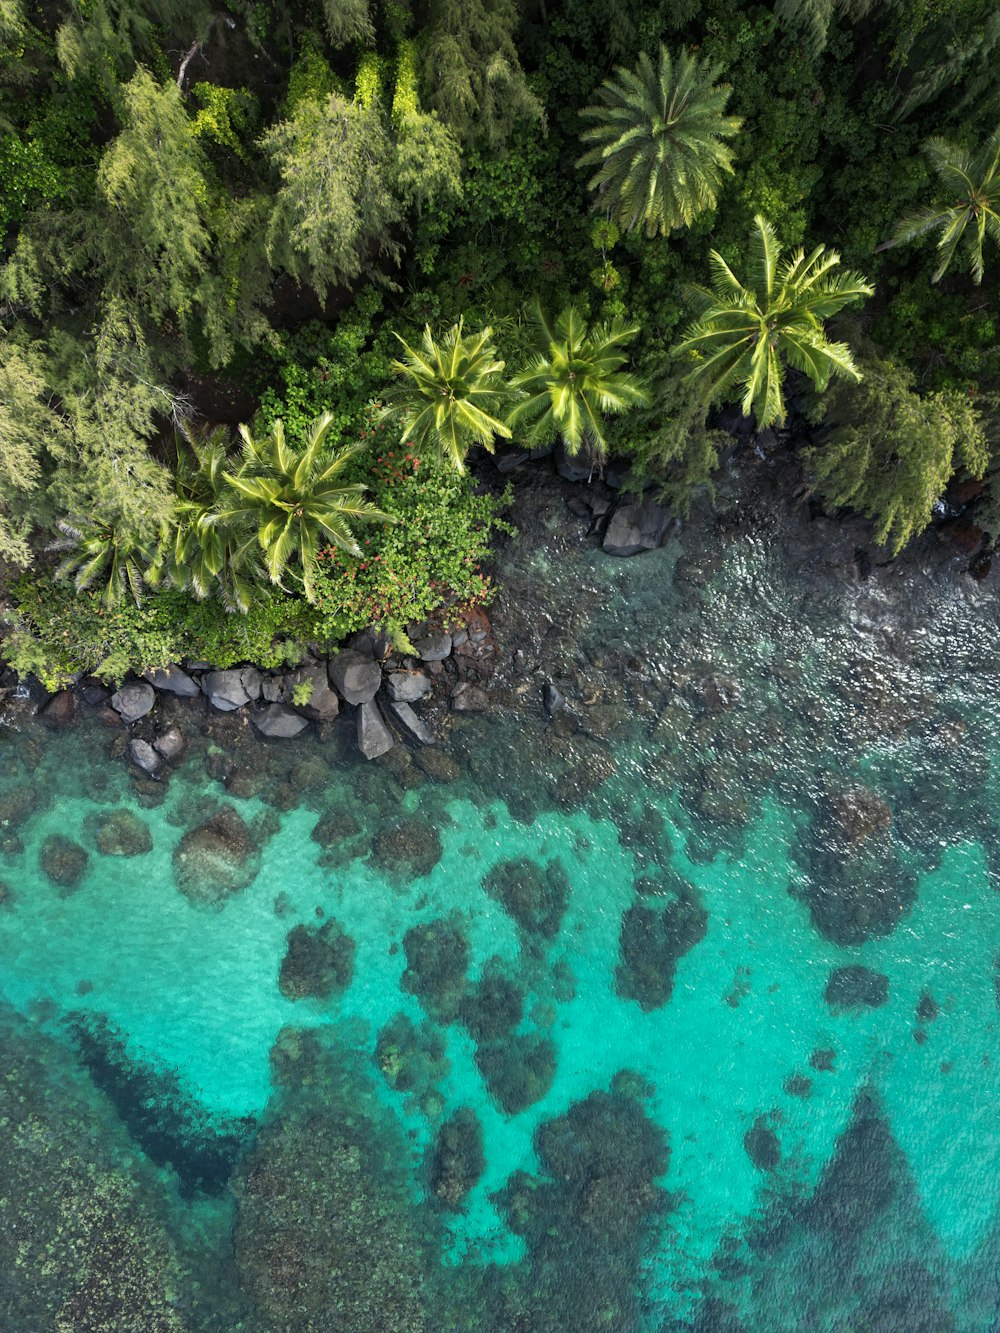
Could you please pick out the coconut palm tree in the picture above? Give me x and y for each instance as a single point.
(970, 207)
(202, 554)
(98, 552)
(573, 380)
(296, 500)
(449, 393)
(744, 333)
(658, 141)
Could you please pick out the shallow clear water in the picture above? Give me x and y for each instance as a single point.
(684, 1122)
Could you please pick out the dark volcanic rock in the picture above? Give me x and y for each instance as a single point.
(60, 711)
(635, 528)
(133, 701)
(374, 737)
(171, 745)
(411, 725)
(433, 647)
(355, 676)
(407, 687)
(122, 833)
(143, 755)
(215, 859)
(64, 861)
(318, 962)
(322, 704)
(856, 988)
(174, 680)
(278, 722)
(467, 698)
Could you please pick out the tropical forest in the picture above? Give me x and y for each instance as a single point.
(499, 639)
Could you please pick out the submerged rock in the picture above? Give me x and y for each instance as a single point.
(651, 944)
(456, 1160)
(411, 1056)
(407, 849)
(412, 725)
(437, 959)
(143, 755)
(64, 861)
(535, 896)
(762, 1145)
(519, 1070)
(215, 859)
(318, 962)
(856, 988)
(122, 833)
(278, 722)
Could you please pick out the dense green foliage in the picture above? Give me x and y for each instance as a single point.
(969, 208)
(658, 136)
(745, 332)
(212, 219)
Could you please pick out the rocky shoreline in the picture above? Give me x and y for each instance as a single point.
(506, 659)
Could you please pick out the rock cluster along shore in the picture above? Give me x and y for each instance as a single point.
(386, 696)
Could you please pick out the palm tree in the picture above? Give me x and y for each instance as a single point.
(202, 554)
(101, 552)
(295, 500)
(744, 333)
(970, 183)
(573, 380)
(449, 394)
(658, 137)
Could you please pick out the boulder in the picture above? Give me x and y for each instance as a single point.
(433, 647)
(374, 737)
(278, 722)
(466, 698)
(323, 704)
(122, 833)
(64, 861)
(406, 687)
(552, 700)
(507, 455)
(173, 680)
(227, 690)
(171, 745)
(412, 725)
(355, 676)
(635, 528)
(272, 689)
(142, 754)
(215, 859)
(60, 710)
(572, 467)
(94, 694)
(133, 701)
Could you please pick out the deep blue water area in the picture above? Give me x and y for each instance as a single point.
(675, 1011)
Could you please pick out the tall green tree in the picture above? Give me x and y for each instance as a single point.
(470, 69)
(296, 500)
(658, 137)
(746, 333)
(890, 452)
(574, 380)
(203, 553)
(100, 555)
(450, 394)
(968, 207)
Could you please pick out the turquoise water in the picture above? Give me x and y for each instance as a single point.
(679, 1126)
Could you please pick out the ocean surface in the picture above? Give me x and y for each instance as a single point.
(677, 1010)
